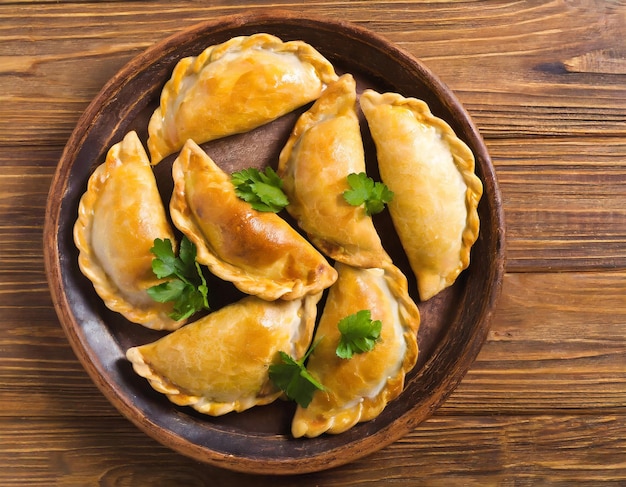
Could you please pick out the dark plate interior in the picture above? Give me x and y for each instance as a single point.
(454, 323)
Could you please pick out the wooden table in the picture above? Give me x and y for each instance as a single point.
(544, 403)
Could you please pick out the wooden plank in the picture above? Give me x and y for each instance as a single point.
(557, 344)
(544, 404)
(493, 57)
(564, 208)
(482, 450)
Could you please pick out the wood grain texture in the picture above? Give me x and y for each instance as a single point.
(566, 353)
(480, 450)
(563, 201)
(506, 61)
(558, 343)
(545, 402)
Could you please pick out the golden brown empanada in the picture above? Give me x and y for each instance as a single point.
(234, 87)
(325, 146)
(220, 363)
(258, 252)
(119, 216)
(359, 388)
(431, 172)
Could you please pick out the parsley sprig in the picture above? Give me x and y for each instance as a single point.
(186, 285)
(263, 190)
(364, 191)
(359, 334)
(292, 377)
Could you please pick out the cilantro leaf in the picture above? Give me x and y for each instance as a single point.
(188, 303)
(187, 287)
(165, 265)
(379, 196)
(364, 191)
(167, 291)
(358, 334)
(293, 379)
(361, 188)
(263, 190)
(187, 256)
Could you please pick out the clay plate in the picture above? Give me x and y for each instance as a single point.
(454, 323)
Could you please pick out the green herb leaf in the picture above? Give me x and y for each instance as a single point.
(263, 190)
(187, 256)
(293, 379)
(358, 334)
(187, 287)
(167, 291)
(364, 191)
(165, 265)
(189, 302)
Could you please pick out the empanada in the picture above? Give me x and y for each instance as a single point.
(220, 363)
(234, 87)
(359, 388)
(325, 146)
(259, 252)
(431, 172)
(119, 216)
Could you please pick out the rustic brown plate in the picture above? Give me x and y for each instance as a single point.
(454, 323)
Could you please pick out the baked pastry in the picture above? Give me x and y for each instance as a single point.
(119, 216)
(259, 252)
(431, 172)
(325, 146)
(359, 388)
(220, 363)
(234, 87)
